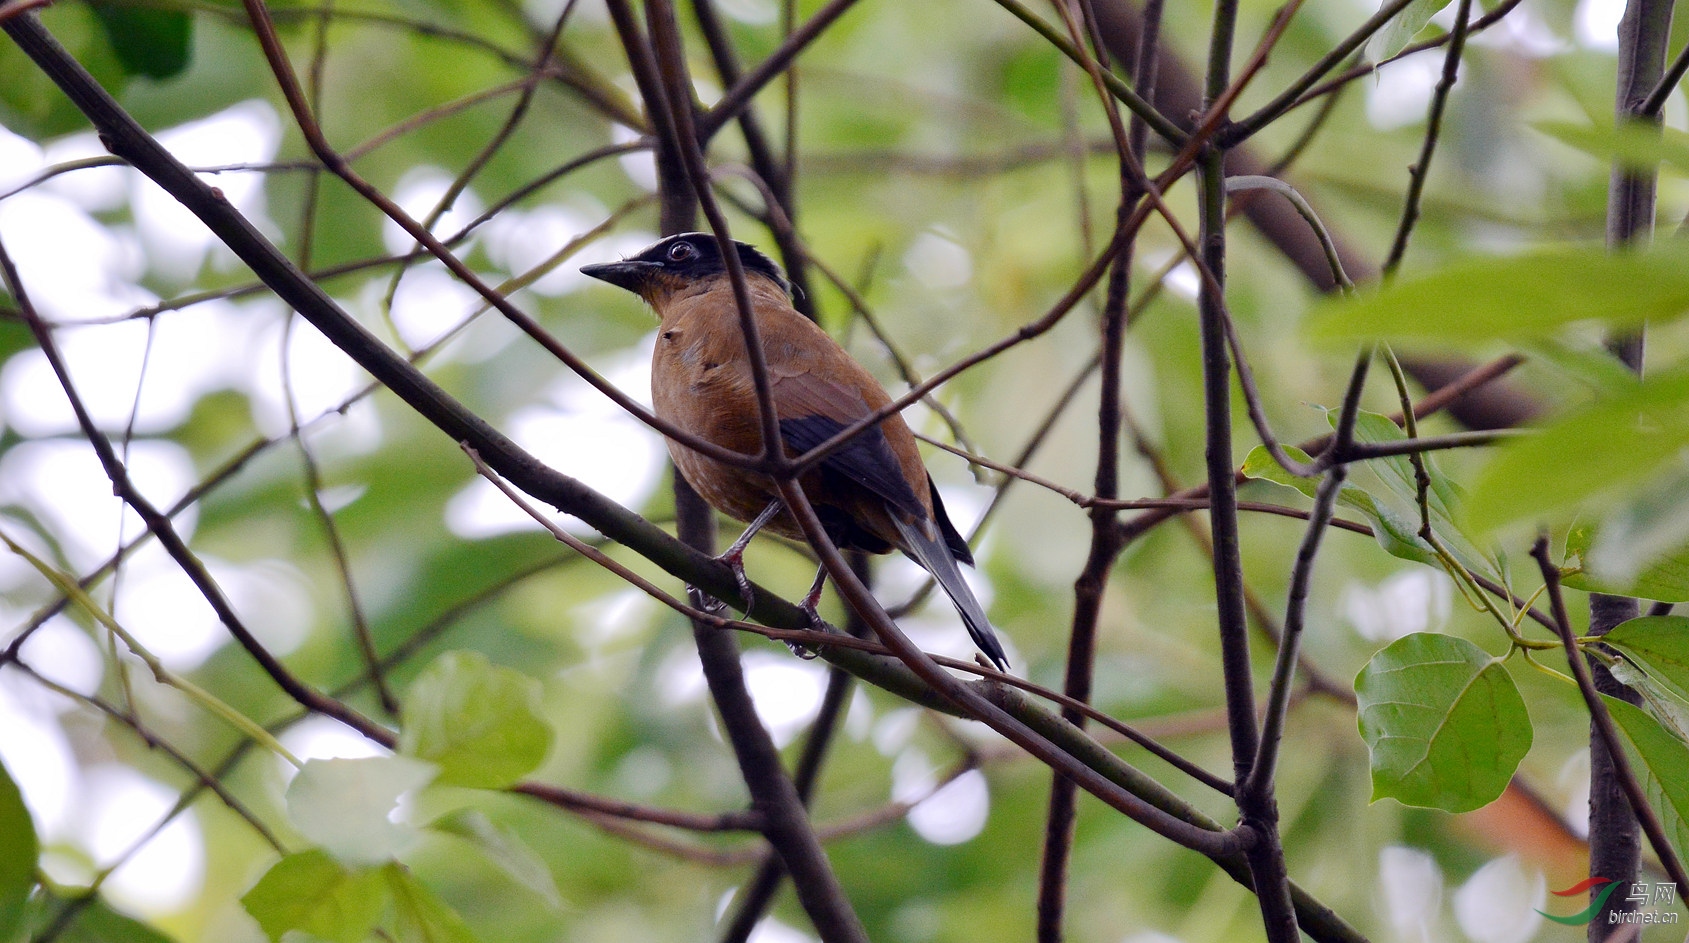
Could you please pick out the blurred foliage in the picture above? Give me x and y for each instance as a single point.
(956, 173)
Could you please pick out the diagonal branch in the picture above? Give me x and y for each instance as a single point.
(1602, 720)
(165, 531)
(282, 69)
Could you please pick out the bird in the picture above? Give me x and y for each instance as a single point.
(873, 494)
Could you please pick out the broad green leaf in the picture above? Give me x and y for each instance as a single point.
(1397, 532)
(422, 916)
(346, 806)
(1590, 364)
(505, 849)
(312, 892)
(92, 920)
(1443, 722)
(1398, 536)
(1668, 708)
(1666, 759)
(1516, 297)
(19, 850)
(1615, 442)
(479, 723)
(150, 42)
(1260, 464)
(1646, 540)
(1444, 498)
(1394, 533)
(98, 923)
(1660, 644)
(1665, 578)
(1402, 28)
(1637, 145)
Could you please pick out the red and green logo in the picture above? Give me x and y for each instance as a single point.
(1595, 906)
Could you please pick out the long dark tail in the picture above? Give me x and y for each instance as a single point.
(931, 553)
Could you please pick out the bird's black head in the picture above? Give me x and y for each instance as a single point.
(679, 260)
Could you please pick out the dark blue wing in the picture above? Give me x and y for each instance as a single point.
(866, 459)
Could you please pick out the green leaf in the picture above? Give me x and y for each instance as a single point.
(1666, 760)
(479, 723)
(19, 849)
(1642, 548)
(505, 849)
(1590, 364)
(422, 916)
(1261, 465)
(346, 806)
(149, 42)
(1444, 499)
(1398, 536)
(312, 892)
(1443, 722)
(1402, 28)
(1394, 533)
(1637, 145)
(1669, 709)
(96, 922)
(1515, 298)
(1665, 578)
(1616, 442)
(92, 920)
(1660, 644)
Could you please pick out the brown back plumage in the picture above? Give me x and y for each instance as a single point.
(872, 494)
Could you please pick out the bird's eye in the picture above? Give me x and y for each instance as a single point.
(681, 251)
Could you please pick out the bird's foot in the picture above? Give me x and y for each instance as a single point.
(734, 557)
(803, 651)
(811, 604)
(735, 560)
(703, 600)
(816, 623)
(811, 607)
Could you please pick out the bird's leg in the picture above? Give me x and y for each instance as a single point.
(811, 608)
(734, 557)
(811, 604)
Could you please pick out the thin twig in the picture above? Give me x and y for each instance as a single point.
(162, 528)
(1242, 130)
(1260, 779)
(574, 801)
(1167, 129)
(740, 95)
(1603, 721)
(476, 164)
(203, 778)
(1360, 70)
(857, 596)
(1267, 870)
(1431, 403)
(1305, 210)
(1105, 542)
(1128, 504)
(1420, 169)
(1656, 100)
(282, 68)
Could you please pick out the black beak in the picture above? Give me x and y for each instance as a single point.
(629, 274)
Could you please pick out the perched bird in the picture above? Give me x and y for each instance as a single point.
(873, 494)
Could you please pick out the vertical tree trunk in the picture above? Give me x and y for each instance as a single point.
(1615, 840)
